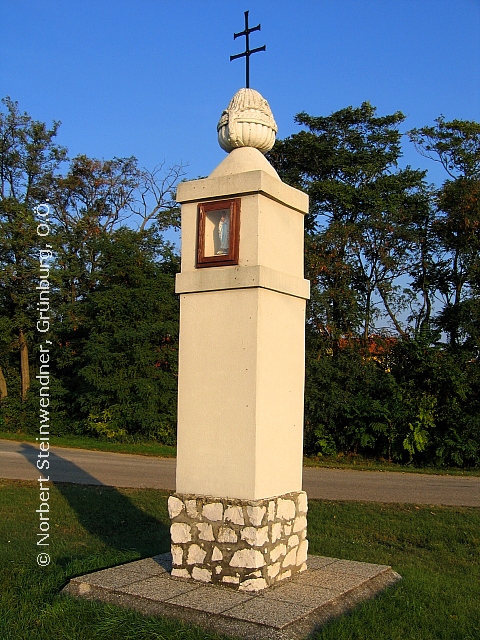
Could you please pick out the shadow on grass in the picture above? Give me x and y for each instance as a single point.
(105, 512)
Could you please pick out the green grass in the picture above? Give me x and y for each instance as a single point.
(146, 448)
(150, 448)
(360, 463)
(436, 550)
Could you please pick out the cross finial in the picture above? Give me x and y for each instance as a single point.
(248, 52)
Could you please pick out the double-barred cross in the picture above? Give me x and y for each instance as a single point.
(248, 52)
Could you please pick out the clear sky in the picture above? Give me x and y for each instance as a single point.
(150, 78)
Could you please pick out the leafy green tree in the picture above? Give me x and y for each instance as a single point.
(439, 386)
(120, 360)
(362, 206)
(456, 146)
(422, 269)
(111, 288)
(371, 227)
(93, 199)
(29, 157)
(349, 398)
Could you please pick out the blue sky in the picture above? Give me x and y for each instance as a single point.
(150, 78)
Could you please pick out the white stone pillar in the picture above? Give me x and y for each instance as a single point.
(239, 513)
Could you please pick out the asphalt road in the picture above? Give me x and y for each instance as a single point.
(18, 460)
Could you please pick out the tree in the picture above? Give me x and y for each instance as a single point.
(118, 358)
(423, 268)
(362, 207)
(97, 263)
(156, 202)
(95, 197)
(29, 158)
(456, 146)
(106, 276)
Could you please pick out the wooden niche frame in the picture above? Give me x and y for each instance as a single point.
(204, 208)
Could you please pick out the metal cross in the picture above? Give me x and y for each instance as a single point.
(248, 52)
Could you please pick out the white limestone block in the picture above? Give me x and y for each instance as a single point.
(234, 514)
(180, 573)
(293, 541)
(196, 555)
(247, 559)
(279, 550)
(175, 507)
(302, 502)
(276, 531)
(271, 511)
(302, 552)
(218, 569)
(213, 511)
(180, 532)
(285, 574)
(290, 558)
(273, 570)
(287, 529)
(191, 508)
(255, 537)
(300, 524)
(177, 555)
(204, 575)
(255, 584)
(205, 531)
(216, 555)
(226, 534)
(255, 515)
(285, 509)
(231, 579)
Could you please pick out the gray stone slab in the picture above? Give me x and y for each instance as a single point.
(211, 599)
(291, 610)
(107, 580)
(328, 578)
(364, 569)
(317, 562)
(123, 574)
(159, 588)
(306, 595)
(267, 612)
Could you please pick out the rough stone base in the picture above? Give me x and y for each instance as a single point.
(245, 544)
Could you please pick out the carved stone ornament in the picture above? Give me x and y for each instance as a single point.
(248, 122)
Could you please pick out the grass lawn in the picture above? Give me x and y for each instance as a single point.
(436, 550)
(84, 442)
(358, 463)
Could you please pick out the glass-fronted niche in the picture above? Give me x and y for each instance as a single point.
(218, 233)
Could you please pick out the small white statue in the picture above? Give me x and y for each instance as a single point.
(223, 234)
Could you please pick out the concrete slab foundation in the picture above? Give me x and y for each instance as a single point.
(291, 610)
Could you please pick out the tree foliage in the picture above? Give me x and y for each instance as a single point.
(456, 145)
(362, 214)
(118, 344)
(115, 325)
(393, 324)
(29, 157)
(381, 244)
